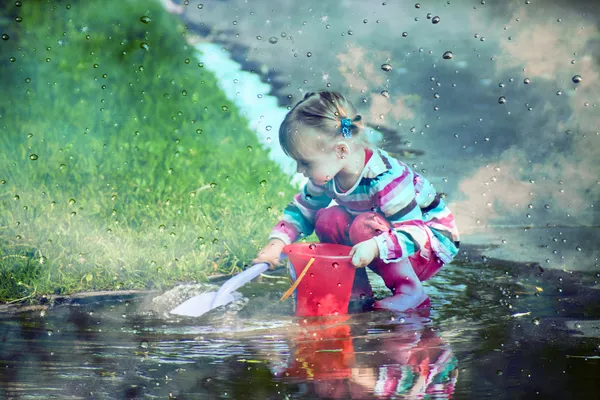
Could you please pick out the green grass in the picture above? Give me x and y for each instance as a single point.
(122, 166)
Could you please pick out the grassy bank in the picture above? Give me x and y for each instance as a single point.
(122, 164)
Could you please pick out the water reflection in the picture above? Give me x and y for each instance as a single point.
(332, 358)
(128, 350)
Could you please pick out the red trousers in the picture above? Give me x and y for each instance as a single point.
(336, 225)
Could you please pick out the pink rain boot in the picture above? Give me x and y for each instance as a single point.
(408, 292)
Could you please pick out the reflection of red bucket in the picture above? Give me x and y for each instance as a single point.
(323, 351)
(326, 288)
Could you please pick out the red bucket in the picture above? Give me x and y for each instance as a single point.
(327, 286)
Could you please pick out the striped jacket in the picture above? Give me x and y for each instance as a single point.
(407, 199)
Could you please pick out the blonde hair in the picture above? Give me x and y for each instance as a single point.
(322, 111)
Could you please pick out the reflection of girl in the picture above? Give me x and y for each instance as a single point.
(398, 224)
(413, 361)
(425, 367)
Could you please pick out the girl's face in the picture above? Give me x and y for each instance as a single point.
(318, 161)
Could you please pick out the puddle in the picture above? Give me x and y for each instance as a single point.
(490, 334)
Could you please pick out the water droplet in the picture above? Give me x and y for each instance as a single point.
(225, 108)
(312, 246)
(578, 248)
(429, 15)
(435, 20)
(417, 5)
(199, 131)
(318, 304)
(404, 34)
(50, 332)
(502, 100)
(263, 183)
(144, 344)
(339, 284)
(535, 321)
(335, 265)
(145, 19)
(71, 201)
(200, 6)
(447, 55)
(386, 67)
(144, 46)
(577, 79)
(385, 94)
(18, 19)
(33, 157)
(273, 40)
(4, 36)
(213, 185)
(309, 54)
(12, 59)
(526, 81)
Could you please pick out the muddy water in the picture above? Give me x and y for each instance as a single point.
(490, 333)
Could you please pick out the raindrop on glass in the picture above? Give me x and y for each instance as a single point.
(447, 55)
(435, 20)
(577, 79)
(33, 157)
(502, 100)
(386, 67)
(145, 19)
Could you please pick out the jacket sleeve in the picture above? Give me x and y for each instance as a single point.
(299, 215)
(395, 195)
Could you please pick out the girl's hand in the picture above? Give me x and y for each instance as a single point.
(270, 254)
(364, 253)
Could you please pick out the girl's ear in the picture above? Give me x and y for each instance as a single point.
(342, 150)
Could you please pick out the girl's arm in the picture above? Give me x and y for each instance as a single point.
(299, 214)
(395, 196)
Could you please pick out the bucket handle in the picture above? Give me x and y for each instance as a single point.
(297, 282)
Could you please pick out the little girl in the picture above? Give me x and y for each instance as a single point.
(392, 216)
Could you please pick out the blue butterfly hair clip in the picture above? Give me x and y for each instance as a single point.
(346, 128)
